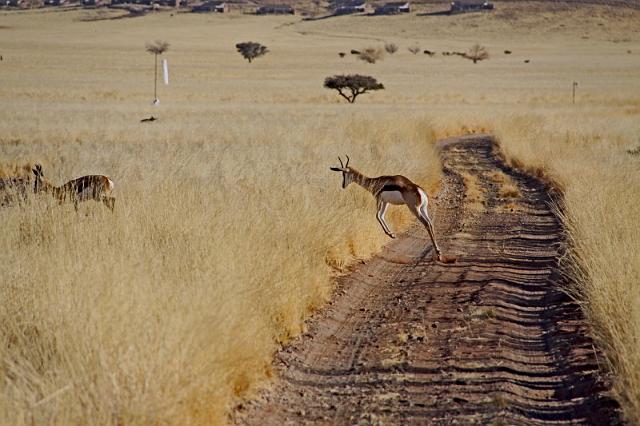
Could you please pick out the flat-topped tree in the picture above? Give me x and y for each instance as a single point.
(350, 86)
(251, 50)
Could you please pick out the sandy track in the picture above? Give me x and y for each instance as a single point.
(491, 339)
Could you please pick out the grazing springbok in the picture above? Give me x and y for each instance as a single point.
(391, 190)
(92, 187)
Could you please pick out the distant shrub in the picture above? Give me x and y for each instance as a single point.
(341, 54)
(350, 86)
(476, 53)
(371, 54)
(157, 48)
(250, 50)
(391, 48)
(414, 49)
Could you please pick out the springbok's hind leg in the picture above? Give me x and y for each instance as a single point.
(382, 209)
(428, 223)
(421, 213)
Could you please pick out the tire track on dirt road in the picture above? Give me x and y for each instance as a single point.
(490, 339)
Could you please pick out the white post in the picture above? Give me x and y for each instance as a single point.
(165, 71)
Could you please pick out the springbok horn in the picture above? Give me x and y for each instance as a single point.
(347, 161)
(340, 160)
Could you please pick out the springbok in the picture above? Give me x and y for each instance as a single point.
(92, 187)
(391, 190)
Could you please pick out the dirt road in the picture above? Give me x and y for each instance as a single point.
(491, 339)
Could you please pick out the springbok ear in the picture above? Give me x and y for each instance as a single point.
(335, 169)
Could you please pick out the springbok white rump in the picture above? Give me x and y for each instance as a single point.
(92, 187)
(392, 190)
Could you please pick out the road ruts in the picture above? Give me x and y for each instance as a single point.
(490, 340)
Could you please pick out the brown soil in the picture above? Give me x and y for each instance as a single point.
(490, 339)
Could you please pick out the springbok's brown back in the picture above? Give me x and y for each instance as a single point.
(93, 185)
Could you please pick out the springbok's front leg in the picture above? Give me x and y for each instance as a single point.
(382, 209)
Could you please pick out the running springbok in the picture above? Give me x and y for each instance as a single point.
(92, 187)
(391, 190)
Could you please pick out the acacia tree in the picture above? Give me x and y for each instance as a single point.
(350, 86)
(476, 53)
(251, 50)
(156, 48)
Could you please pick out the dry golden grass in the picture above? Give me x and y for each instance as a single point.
(508, 187)
(509, 190)
(216, 252)
(474, 192)
(11, 169)
(229, 225)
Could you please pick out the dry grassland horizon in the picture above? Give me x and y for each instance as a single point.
(229, 226)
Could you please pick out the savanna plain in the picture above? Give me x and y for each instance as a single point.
(229, 229)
